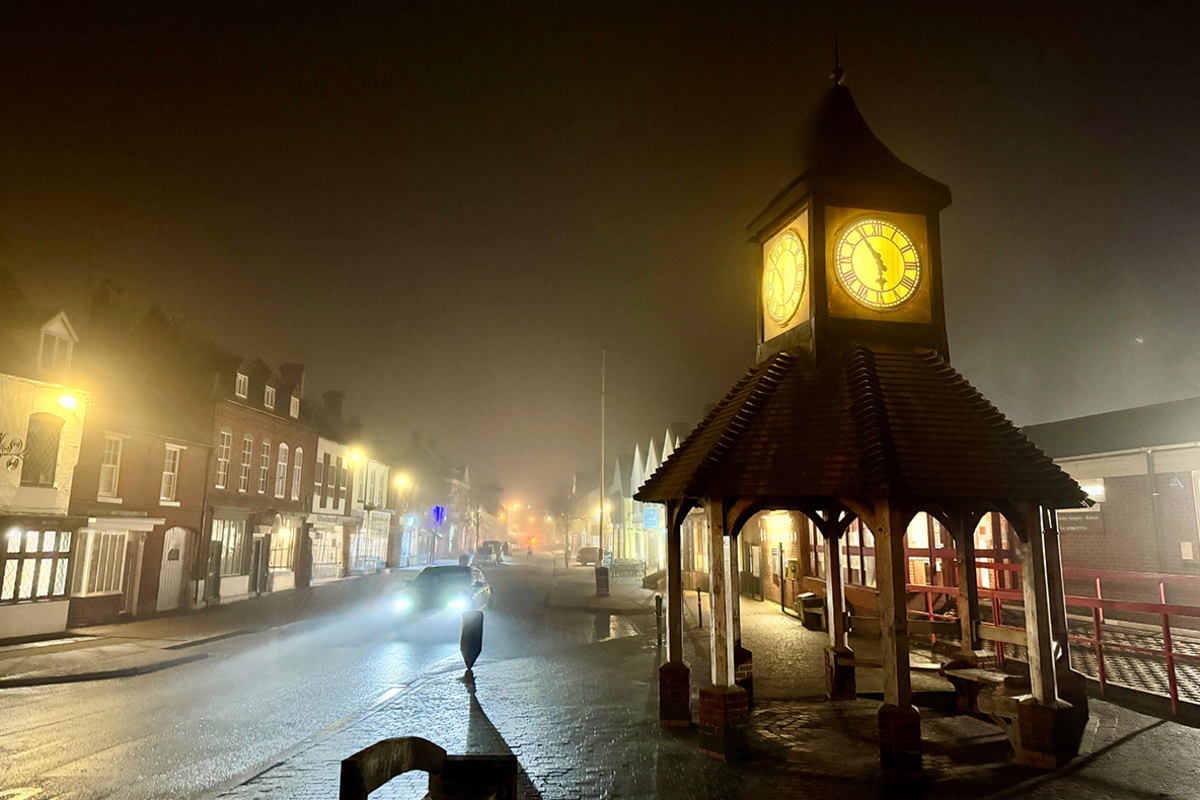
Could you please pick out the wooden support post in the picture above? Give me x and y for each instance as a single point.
(968, 586)
(674, 676)
(899, 722)
(743, 663)
(840, 681)
(1037, 607)
(1054, 585)
(724, 706)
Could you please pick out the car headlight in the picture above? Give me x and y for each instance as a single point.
(403, 604)
(457, 604)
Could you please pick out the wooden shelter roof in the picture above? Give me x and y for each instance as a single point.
(870, 423)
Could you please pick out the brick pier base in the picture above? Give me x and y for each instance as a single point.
(839, 674)
(900, 742)
(724, 713)
(1044, 736)
(743, 671)
(674, 694)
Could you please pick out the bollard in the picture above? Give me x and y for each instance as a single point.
(658, 616)
(471, 642)
(699, 609)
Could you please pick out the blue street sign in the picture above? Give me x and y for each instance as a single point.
(650, 516)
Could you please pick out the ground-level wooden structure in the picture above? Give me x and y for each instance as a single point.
(875, 435)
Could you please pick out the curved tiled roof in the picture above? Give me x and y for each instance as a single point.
(869, 424)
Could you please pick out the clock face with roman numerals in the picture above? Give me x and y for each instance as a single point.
(877, 264)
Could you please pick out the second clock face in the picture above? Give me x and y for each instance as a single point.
(877, 263)
(784, 276)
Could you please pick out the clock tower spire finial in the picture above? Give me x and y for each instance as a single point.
(838, 73)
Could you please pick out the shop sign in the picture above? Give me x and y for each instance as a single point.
(1084, 521)
(650, 516)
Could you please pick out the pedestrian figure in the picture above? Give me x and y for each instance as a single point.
(529, 554)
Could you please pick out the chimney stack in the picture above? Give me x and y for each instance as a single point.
(293, 378)
(333, 402)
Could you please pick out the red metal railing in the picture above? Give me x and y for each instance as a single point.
(1096, 607)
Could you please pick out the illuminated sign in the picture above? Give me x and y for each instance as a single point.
(439, 515)
(649, 516)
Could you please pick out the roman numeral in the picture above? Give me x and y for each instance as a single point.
(908, 282)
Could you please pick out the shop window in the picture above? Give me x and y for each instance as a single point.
(282, 547)
(230, 536)
(34, 565)
(40, 463)
(100, 563)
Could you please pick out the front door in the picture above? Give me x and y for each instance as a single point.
(170, 577)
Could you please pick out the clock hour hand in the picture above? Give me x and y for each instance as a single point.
(879, 261)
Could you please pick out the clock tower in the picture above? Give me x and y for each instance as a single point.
(850, 250)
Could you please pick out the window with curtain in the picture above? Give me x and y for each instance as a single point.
(100, 563)
(40, 463)
(297, 472)
(281, 471)
(110, 466)
(230, 535)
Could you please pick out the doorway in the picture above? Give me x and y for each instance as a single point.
(170, 577)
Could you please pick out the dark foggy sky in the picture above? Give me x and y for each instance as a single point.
(449, 210)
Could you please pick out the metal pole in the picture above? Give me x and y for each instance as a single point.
(603, 368)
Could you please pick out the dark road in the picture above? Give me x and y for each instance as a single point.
(185, 731)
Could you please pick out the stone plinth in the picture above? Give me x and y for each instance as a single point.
(839, 674)
(900, 742)
(724, 713)
(674, 694)
(1044, 736)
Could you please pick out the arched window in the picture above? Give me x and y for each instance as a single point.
(297, 470)
(41, 450)
(281, 470)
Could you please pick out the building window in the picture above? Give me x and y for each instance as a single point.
(297, 472)
(281, 471)
(295, 409)
(341, 477)
(282, 547)
(264, 466)
(242, 386)
(110, 466)
(319, 480)
(224, 451)
(170, 476)
(100, 563)
(230, 536)
(247, 458)
(269, 397)
(41, 450)
(56, 353)
(33, 565)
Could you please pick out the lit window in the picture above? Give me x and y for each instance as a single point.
(229, 535)
(283, 546)
(269, 397)
(281, 471)
(242, 387)
(1094, 488)
(110, 466)
(40, 463)
(297, 472)
(33, 565)
(264, 466)
(56, 352)
(170, 476)
(100, 563)
(224, 451)
(247, 458)
(295, 410)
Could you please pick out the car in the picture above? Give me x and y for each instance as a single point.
(485, 553)
(587, 555)
(444, 589)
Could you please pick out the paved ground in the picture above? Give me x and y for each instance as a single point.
(571, 693)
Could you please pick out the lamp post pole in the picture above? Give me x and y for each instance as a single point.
(603, 367)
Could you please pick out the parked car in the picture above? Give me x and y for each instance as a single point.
(587, 555)
(493, 547)
(438, 590)
(485, 553)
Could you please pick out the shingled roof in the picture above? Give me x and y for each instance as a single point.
(869, 424)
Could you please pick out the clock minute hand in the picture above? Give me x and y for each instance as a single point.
(878, 261)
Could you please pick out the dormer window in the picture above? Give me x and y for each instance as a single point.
(295, 409)
(242, 387)
(269, 398)
(55, 354)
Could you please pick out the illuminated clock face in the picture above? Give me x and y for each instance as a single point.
(877, 264)
(784, 276)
